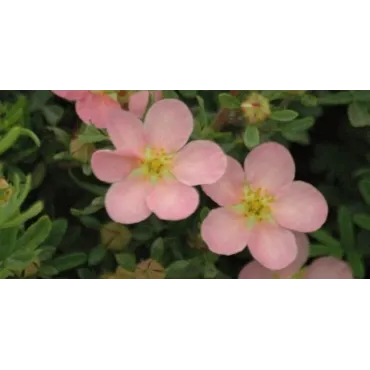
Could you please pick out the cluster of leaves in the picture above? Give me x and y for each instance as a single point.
(52, 218)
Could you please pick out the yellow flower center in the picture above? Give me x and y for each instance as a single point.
(255, 206)
(155, 165)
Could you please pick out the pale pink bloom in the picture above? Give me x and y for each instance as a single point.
(95, 106)
(262, 206)
(152, 169)
(322, 268)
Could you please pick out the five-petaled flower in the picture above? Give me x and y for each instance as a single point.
(152, 169)
(321, 268)
(95, 106)
(261, 208)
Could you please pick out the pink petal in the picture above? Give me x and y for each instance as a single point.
(200, 162)
(96, 109)
(139, 102)
(255, 271)
(272, 246)
(303, 245)
(225, 232)
(71, 95)
(110, 167)
(169, 124)
(270, 166)
(126, 201)
(229, 189)
(328, 268)
(127, 133)
(301, 208)
(172, 201)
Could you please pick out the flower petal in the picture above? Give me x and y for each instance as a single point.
(169, 124)
(126, 201)
(225, 232)
(139, 102)
(303, 245)
(72, 95)
(172, 201)
(329, 268)
(255, 271)
(110, 167)
(272, 246)
(96, 109)
(270, 166)
(200, 162)
(127, 133)
(229, 189)
(301, 208)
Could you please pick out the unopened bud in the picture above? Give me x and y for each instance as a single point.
(256, 108)
(115, 237)
(150, 269)
(6, 191)
(80, 151)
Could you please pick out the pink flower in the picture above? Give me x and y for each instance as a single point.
(152, 170)
(261, 207)
(322, 268)
(95, 106)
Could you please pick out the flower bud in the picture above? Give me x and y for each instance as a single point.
(115, 237)
(80, 151)
(150, 269)
(256, 108)
(6, 191)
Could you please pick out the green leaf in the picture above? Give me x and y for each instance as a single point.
(285, 115)
(203, 119)
(90, 222)
(302, 124)
(357, 264)
(4, 273)
(251, 136)
(177, 270)
(358, 114)
(362, 220)
(96, 255)
(86, 274)
(300, 137)
(170, 94)
(58, 230)
(69, 261)
(324, 237)
(31, 135)
(91, 134)
(127, 261)
(7, 141)
(346, 229)
(361, 95)
(63, 137)
(309, 100)
(342, 97)
(94, 189)
(7, 242)
(38, 175)
(39, 98)
(228, 101)
(35, 234)
(25, 216)
(188, 93)
(157, 250)
(48, 271)
(53, 114)
(364, 186)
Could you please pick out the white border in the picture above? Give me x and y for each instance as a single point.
(162, 45)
